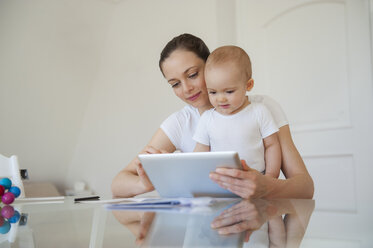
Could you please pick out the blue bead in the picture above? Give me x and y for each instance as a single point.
(6, 182)
(5, 227)
(15, 217)
(15, 190)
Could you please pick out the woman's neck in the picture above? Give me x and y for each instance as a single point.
(204, 108)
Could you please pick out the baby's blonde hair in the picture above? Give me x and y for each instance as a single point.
(232, 54)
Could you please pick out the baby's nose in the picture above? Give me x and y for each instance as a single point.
(222, 98)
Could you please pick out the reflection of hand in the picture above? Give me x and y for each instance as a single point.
(244, 216)
(140, 170)
(247, 183)
(138, 222)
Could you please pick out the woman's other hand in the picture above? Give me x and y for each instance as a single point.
(144, 179)
(132, 180)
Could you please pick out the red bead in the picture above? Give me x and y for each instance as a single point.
(2, 190)
(1, 220)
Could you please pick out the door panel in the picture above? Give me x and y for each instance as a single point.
(314, 58)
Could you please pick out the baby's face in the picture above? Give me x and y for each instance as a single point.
(226, 86)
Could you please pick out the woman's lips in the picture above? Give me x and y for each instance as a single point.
(194, 97)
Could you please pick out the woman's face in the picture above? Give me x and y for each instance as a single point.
(184, 71)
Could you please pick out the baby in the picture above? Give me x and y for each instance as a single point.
(236, 124)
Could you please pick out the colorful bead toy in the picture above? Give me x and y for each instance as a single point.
(7, 195)
(8, 192)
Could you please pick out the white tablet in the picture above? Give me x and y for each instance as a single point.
(187, 174)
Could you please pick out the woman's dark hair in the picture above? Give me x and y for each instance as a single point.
(187, 42)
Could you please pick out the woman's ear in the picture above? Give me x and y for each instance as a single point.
(250, 84)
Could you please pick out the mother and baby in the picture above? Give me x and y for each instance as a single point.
(219, 116)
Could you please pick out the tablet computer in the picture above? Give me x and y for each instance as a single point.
(187, 174)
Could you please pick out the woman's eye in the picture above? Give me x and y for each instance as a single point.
(193, 75)
(174, 85)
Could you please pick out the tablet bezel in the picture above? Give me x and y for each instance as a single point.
(187, 174)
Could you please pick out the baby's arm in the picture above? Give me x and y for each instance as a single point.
(201, 148)
(272, 155)
(201, 135)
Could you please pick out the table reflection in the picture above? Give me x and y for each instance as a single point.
(256, 223)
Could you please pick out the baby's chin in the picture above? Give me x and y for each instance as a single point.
(225, 111)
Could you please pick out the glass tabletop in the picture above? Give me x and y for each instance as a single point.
(234, 223)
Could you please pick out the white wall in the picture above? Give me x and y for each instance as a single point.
(80, 88)
(49, 56)
(130, 98)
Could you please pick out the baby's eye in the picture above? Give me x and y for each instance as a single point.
(230, 91)
(193, 75)
(176, 84)
(212, 92)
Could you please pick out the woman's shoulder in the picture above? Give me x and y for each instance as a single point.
(263, 99)
(257, 106)
(186, 113)
(267, 101)
(273, 106)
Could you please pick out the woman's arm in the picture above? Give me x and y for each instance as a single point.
(132, 180)
(298, 183)
(252, 184)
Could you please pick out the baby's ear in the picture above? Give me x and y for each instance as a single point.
(250, 84)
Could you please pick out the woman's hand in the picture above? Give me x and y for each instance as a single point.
(246, 183)
(144, 179)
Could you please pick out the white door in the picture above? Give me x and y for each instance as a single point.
(314, 58)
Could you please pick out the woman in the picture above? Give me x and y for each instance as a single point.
(182, 63)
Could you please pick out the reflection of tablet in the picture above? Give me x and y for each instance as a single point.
(187, 174)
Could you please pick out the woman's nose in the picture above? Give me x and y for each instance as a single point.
(187, 87)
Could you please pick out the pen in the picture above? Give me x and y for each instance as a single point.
(87, 198)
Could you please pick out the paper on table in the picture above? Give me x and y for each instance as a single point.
(39, 200)
(49, 198)
(117, 200)
(142, 203)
